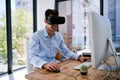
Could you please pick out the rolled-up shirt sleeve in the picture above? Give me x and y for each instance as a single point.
(67, 52)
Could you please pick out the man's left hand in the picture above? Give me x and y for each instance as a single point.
(83, 58)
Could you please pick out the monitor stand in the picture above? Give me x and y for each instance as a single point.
(107, 67)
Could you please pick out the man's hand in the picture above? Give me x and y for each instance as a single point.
(51, 66)
(83, 58)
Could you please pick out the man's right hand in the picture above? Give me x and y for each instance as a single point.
(51, 66)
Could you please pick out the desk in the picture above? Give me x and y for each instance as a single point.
(67, 73)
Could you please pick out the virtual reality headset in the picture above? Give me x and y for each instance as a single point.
(56, 20)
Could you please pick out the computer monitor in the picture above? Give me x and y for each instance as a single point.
(100, 39)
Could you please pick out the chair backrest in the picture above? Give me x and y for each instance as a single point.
(28, 64)
(58, 56)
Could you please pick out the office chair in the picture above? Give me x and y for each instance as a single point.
(29, 66)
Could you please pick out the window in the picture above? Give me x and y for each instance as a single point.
(13, 43)
(3, 42)
(111, 9)
(22, 27)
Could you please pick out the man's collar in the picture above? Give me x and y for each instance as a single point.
(45, 33)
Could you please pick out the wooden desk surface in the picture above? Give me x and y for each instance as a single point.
(68, 73)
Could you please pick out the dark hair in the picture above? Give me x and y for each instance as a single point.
(49, 12)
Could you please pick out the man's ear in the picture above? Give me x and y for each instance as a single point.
(45, 20)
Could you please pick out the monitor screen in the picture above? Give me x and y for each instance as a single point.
(100, 32)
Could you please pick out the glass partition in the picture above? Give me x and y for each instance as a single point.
(76, 29)
(64, 8)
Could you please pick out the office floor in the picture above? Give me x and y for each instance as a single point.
(17, 75)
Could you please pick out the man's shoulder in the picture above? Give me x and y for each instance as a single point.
(59, 35)
(38, 32)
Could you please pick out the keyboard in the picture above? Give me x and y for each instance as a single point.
(86, 54)
(88, 64)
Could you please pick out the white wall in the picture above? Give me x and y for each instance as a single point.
(42, 5)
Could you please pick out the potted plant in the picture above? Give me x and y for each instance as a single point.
(84, 70)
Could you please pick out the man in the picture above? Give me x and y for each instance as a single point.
(46, 42)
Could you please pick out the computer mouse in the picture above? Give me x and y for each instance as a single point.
(56, 71)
